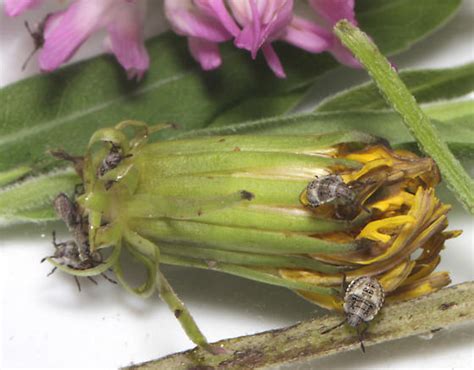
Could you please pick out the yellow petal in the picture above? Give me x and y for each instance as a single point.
(421, 287)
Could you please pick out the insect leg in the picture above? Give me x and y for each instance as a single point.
(56, 244)
(77, 283)
(344, 284)
(79, 189)
(52, 271)
(108, 279)
(361, 334)
(91, 279)
(333, 327)
(45, 258)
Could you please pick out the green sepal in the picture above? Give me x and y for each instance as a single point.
(267, 276)
(235, 238)
(211, 256)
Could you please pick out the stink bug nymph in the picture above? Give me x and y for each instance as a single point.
(74, 253)
(327, 189)
(112, 160)
(363, 299)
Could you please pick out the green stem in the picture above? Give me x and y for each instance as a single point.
(303, 342)
(402, 101)
(168, 295)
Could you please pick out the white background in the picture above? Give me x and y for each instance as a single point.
(45, 322)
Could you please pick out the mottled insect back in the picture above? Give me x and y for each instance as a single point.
(65, 210)
(111, 161)
(363, 299)
(327, 189)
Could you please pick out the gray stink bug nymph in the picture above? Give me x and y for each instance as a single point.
(329, 189)
(112, 160)
(363, 299)
(74, 253)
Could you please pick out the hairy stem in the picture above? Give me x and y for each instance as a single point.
(399, 97)
(303, 342)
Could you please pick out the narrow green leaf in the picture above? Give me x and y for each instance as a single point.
(258, 107)
(396, 93)
(30, 200)
(458, 131)
(14, 174)
(392, 34)
(451, 111)
(426, 85)
(64, 108)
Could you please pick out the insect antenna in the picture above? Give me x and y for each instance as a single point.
(35, 49)
(33, 52)
(78, 162)
(334, 327)
(108, 279)
(38, 39)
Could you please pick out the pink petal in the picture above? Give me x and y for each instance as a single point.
(307, 35)
(66, 31)
(273, 61)
(262, 22)
(126, 38)
(335, 10)
(188, 20)
(205, 52)
(343, 55)
(248, 39)
(279, 18)
(218, 10)
(16, 7)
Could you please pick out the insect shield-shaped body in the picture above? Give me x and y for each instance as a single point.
(111, 161)
(363, 300)
(329, 189)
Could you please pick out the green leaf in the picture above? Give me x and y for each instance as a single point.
(425, 85)
(393, 35)
(14, 174)
(418, 123)
(31, 200)
(457, 128)
(64, 108)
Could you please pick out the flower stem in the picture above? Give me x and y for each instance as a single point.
(402, 101)
(303, 342)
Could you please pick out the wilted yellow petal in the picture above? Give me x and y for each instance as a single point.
(421, 287)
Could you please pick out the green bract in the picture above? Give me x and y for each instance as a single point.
(236, 204)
